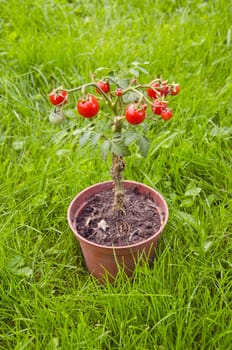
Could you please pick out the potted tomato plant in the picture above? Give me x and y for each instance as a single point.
(117, 222)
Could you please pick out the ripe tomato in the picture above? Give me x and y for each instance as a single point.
(175, 89)
(89, 107)
(104, 85)
(158, 106)
(166, 114)
(161, 88)
(118, 92)
(151, 93)
(135, 114)
(164, 89)
(58, 97)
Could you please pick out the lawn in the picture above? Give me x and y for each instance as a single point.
(48, 300)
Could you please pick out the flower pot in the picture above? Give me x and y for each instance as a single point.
(106, 261)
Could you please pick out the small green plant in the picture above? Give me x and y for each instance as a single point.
(119, 103)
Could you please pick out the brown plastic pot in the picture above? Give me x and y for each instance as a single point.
(104, 262)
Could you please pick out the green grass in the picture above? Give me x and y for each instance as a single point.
(48, 300)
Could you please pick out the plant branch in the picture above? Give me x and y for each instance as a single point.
(84, 86)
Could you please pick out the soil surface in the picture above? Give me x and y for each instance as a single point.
(100, 224)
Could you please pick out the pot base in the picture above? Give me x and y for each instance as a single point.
(104, 262)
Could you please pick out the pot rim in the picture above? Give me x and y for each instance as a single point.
(124, 247)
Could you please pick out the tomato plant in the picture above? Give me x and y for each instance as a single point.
(59, 97)
(88, 107)
(127, 102)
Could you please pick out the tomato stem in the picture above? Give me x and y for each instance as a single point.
(84, 86)
(117, 168)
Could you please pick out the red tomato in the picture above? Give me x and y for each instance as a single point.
(159, 106)
(135, 114)
(89, 107)
(151, 93)
(175, 89)
(118, 92)
(164, 89)
(166, 114)
(104, 85)
(58, 97)
(161, 88)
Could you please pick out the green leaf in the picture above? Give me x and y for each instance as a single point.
(84, 138)
(18, 145)
(143, 143)
(95, 138)
(187, 203)
(130, 137)
(142, 70)
(130, 97)
(134, 72)
(119, 148)
(192, 192)
(25, 271)
(105, 148)
(139, 68)
(123, 83)
(60, 136)
(187, 218)
(102, 69)
(221, 131)
(15, 261)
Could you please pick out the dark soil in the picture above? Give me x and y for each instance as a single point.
(100, 224)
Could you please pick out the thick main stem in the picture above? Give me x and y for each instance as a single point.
(116, 173)
(117, 168)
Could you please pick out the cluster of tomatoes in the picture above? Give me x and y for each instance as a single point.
(135, 113)
(159, 91)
